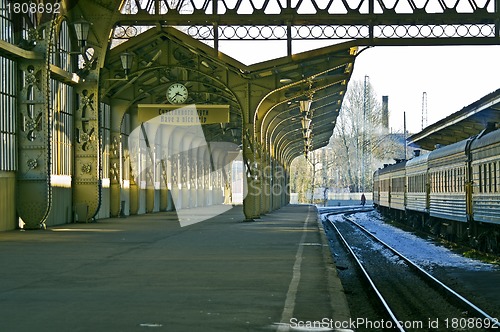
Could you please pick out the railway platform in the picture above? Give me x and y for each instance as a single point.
(147, 272)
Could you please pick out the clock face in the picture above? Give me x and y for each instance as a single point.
(177, 93)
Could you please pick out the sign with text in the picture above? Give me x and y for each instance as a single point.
(183, 115)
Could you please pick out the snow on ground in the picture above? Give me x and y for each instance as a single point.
(421, 251)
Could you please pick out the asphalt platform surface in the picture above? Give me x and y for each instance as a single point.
(148, 273)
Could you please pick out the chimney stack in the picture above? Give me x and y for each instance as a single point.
(385, 112)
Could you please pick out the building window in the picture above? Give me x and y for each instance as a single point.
(106, 137)
(62, 127)
(62, 55)
(6, 32)
(8, 115)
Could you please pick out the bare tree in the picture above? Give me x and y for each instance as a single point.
(359, 145)
(358, 124)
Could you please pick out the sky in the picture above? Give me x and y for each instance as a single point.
(452, 76)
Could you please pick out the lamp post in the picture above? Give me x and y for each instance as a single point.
(305, 106)
(126, 59)
(82, 29)
(306, 124)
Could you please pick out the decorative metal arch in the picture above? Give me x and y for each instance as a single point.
(370, 22)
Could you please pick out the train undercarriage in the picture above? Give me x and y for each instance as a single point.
(478, 236)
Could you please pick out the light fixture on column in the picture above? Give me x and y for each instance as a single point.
(306, 131)
(306, 151)
(126, 59)
(305, 106)
(306, 122)
(82, 28)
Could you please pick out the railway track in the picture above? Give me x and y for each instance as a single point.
(410, 298)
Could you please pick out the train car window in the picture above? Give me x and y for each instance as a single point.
(436, 182)
(447, 181)
(443, 182)
(455, 180)
(482, 173)
(460, 179)
(463, 179)
(452, 181)
(480, 179)
(485, 178)
(439, 183)
(495, 176)
(450, 178)
(424, 181)
(490, 178)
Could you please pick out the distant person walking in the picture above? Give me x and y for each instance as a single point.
(363, 199)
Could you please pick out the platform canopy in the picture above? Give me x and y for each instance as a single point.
(266, 96)
(467, 122)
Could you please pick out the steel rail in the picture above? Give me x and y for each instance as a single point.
(365, 273)
(424, 273)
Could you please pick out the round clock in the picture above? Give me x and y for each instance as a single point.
(177, 93)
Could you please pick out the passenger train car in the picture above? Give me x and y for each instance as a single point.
(453, 191)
